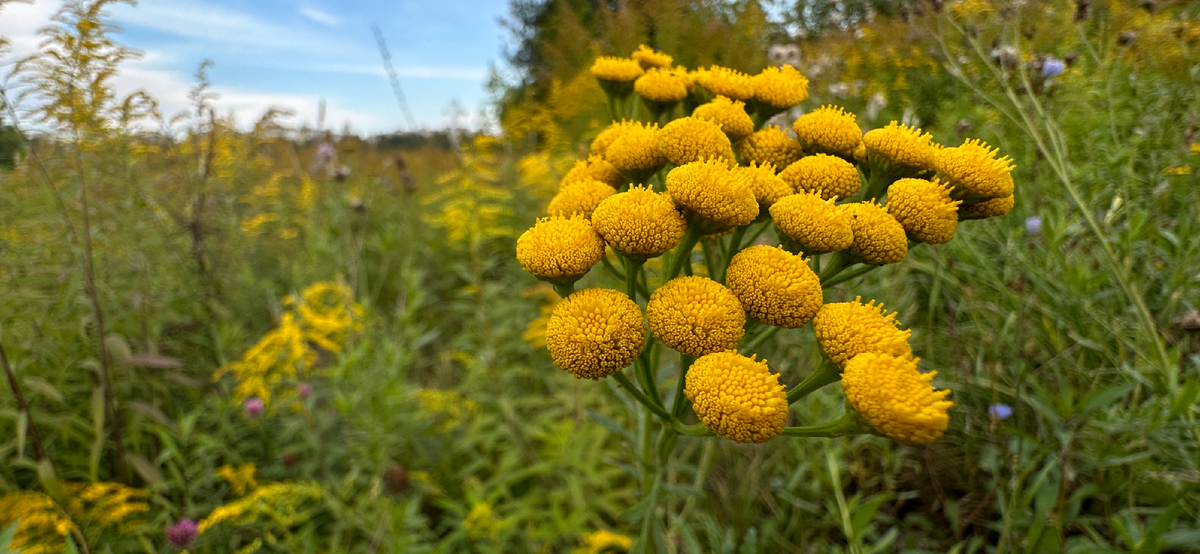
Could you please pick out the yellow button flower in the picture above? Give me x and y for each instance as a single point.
(772, 146)
(780, 87)
(708, 190)
(595, 332)
(900, 149)
(878, 238)
(691, 139)
(726, 82)
(560, 248)
(924, 209)
(596, 168)
(995, 207)
(662, 86)
(696, 316)
(730, 115)
(974, 171)
(847, 329)
(635, 153)
(816, 224)
(620, 70)
(895, 398)
(640, 222)
(774, 286)
(830, 130)
(737, 397)
(649, 58)
(610, 134)
(579, 197)
(767, 187)
(828, 175)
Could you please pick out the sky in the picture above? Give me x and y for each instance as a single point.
(294, 53)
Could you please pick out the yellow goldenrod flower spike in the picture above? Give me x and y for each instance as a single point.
(995, 207)
(595, 332)
(830, 130)
(974, 172)
(847, 329)
(900, 149)
(635, 153)
(737, 397)
(595, 167)
(726, 82)
(696, 316)
(579, 197)
(878, 238)
(817, 225)
(895, 398)
(43, 523)
(774, 286)
(284, 503)
(560, 248)
(828, 175)
(690, 139)
(606, 542)
(620, 70)
(708, 190)
(925, 209)
(650, 58)
(640, 222)
(767, 187)
(780, 87)
(771, 145)
(662, 86)
(729, 115)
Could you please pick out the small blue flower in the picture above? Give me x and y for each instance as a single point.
(1033, 225)
(1000, 411)
(1052, 67)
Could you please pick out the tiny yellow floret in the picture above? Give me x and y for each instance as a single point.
(895, 398)
(772, 146)
(780, 87)
(774, 286)
(726, 82)
(878, 238)
(651, 58)
(900, 150)
(737, 397)
(691, 139)
(847, 329)
(974, 172)
(696, 316)
(995, 207)
(817, 225)
(596, 168)
(580, 197)
(730, 115)
(830, 130)
(830, 176)
(560, 248)
(767, 187)
(595, 332)
(709, 190)
(621, 70)
(640, 222)
(925, 209)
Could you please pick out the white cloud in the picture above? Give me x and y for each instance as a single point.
(19, 23)
(324, 18)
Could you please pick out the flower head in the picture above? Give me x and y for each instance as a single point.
(696, 316)
(900, 149)
(661, 85)
(895, 398)
(847, 329)
(181, 533)
(830, 130)
(635, 153)
(606, 542)
(730, 115)
(639, 222)
(594, 168)
(767, 187)
(737, 397)
(924, 209)
(1000, 411)
(830, 176)
(609, 135)
(878, 238)
(580, 197)
(1052, 67)
(560, 248)
(995, 207)
(780, 87)
(1033, 225)
(774, 286)
(254, 407)
(596, 332)
(691, 139)
(772, 146)
(816, 224)
(621, 70)
(974, 171)
(727, 82)
(708, 190)
(648, 57)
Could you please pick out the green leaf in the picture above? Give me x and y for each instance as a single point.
(1104, 397)
(1186, 398)
(70, 546)
(7, 534)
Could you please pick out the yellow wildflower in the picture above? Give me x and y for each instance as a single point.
(594, 168)
(690, 139)
(273, 506)
(771, 145)
(900, 149)
(106, 504)
(43, 524)
(817, 225)
(774, 286)
(737, 397)
(728, 114)
(639, 222)
(481, 522)
(708, 190)
(635, 153)
(830, 130)
(560, 248)
(974, 172)
(780, 87)
(648, 57)
(579, 197)
(606, 137)
(767, 187)
(924, 209)
(727, 82)
(240, 478)
(895, 398)
(452, 408)
(847, 329)
(995, 207)
(696, 316)
(878, 238)
(595, 332)
(830, 176)
(661, 86)
(606, 542)
(621, 70)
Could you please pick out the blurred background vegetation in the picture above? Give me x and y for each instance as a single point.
(159, 273)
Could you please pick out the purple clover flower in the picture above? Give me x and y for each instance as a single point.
(999, 411)
(182, 533)
(1033, 225)
(254, 407)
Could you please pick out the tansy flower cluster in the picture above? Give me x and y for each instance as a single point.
(699, 232)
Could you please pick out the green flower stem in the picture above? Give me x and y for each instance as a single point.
(709, 258)
(848, 275)
(633, 267)
(877, 184)
(641, 398)
(735, 246)
(697, 430)
(848, 424)
(620, 275)
(825, 374)
(680, 403)
(762, 228)
(683, 253)
(564, 290)
(612, 106)
(759, 339)
(836, 264)
(636, 105)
